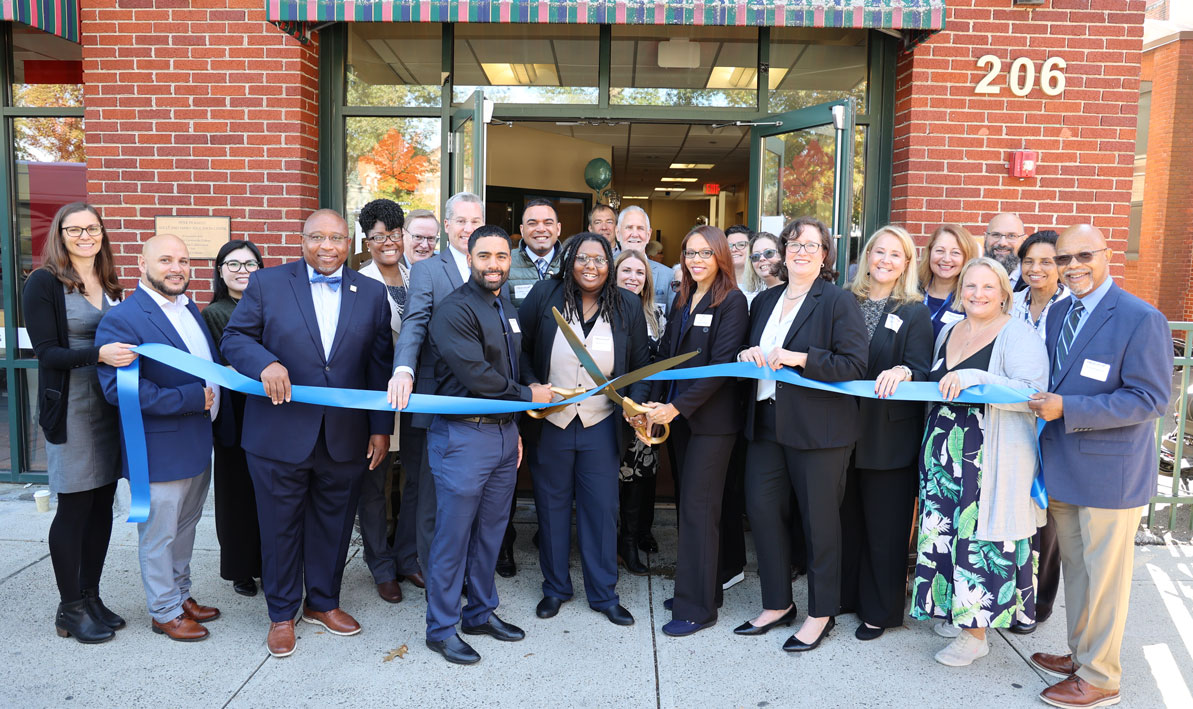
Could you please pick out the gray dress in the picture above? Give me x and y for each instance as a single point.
(90, 457)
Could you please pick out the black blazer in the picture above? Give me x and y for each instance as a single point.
(830, 328)
(44, 302)
(711, 405)
(891, 431)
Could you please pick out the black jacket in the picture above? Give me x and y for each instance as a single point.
(891, 431)
(830, 328)
(44, 302)
(711, 405)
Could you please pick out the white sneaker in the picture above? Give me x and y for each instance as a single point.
(741, 576)
(964, 649)
(946, 630)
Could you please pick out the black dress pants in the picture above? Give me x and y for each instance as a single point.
(732, 557)
(876, 518)
(1048, 573)
(79, 538)
(236, 525)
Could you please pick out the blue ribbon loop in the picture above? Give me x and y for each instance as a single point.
(127, 379)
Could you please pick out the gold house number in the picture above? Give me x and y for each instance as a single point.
(1021, 79)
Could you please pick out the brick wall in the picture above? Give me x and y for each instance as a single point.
(951, 144)
(191, 111)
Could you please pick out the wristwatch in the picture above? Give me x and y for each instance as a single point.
(906, 369)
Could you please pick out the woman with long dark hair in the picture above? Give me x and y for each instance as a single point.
(709, 317)
(577, 453)
(64, 301)
(235, 504)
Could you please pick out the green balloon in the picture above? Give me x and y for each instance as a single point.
(598, 173)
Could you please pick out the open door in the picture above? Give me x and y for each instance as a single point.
(801, 164)
(467, 145)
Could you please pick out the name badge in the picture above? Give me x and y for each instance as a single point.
(893, 322)
(950, 316)
(938, 363)
(514, 326)
(523, 290)
(1095, 370)
(703, 320)
(602, 343)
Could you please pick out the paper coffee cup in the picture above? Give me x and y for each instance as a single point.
(42, 498)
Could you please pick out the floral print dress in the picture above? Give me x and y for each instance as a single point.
(969, 582)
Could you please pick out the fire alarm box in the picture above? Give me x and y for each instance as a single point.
(1023, 163)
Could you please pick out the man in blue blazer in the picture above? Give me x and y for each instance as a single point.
(177, 409)
(1111, 379)
(311, 322)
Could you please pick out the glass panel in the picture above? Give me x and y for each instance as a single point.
(47, 70)
(394, 64)
(35, 442)
(527, 63)
(463, 180)
(800, 181)
(811, 66)
(394, 158)
(692, 66)
(857, 236)
(5, 439)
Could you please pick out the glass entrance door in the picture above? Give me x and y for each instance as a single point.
(467, 145)
(801, 164)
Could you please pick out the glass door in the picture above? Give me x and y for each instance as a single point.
(801, 164)
(467, 145)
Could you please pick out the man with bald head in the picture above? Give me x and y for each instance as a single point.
(177, 409)
(1004, 236)
(310, 322)
(1111, 376)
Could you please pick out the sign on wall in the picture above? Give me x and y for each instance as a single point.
(203, 236)
(1021, 77)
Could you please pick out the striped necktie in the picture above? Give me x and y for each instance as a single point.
(541, 264)
(1068, 333)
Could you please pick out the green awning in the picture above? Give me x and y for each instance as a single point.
(60, 17)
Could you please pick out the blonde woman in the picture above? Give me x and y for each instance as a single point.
(766, 261)
(949, 249)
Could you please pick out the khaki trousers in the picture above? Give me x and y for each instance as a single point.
(1097, 551)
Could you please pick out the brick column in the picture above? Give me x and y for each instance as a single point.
(198, 112)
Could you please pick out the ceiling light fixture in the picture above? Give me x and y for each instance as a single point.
(507, 74)
(635, 197)
(691, 166)
(680, 179)
(741, 77)
(669, 189)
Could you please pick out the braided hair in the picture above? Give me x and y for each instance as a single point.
(609, 303)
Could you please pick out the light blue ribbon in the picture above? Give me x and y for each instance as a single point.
(134, 431)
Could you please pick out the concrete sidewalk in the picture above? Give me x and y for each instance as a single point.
(575, 659)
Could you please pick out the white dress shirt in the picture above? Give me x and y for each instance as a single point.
(190, 330)
(461, 260)
(773, 335)
(327, 308)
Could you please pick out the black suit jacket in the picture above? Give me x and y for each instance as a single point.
(891, 431)
(830, 328)
(711, 405)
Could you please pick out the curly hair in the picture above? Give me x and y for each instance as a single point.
(386, 211)
(609, 305)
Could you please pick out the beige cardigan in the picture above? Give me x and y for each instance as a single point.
(1006, 511)
(395, 323)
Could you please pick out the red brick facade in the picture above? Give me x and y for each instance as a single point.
(952, 144)
(199, 112)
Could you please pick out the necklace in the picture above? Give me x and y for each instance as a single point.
(797, 295)
(973, 335)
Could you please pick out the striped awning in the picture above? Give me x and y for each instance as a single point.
(60, 17)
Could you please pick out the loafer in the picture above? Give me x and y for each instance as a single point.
(281, 641)
(1023, 628)
(336, 621)
(497, 629)
(964, 649)
(548, 607)
(794, 644)
(390, 591)
(865, 632)
(183, 629)
(245, 587)
(1074, 692)
(416, 578)
(684, 628)
(506, 568)
(95, 606)
(199, 613)
(455, 650)
(1059, 665)
(748, 628)
(647, 543)
(617, 614)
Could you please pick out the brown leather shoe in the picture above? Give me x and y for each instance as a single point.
(390, 591)
(182, 629)
(416, 578)
(198, 613)
(1059, 665)
(280, 640)
(335, 620)
(1076, 693)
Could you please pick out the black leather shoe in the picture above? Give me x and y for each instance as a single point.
(548, 607)
(865, 632)
(748, 628)
(794, 644)
(506, 568)
(245, 587)
(74, 620)
(647, 543)
(616, 614)
(627, 556)
(496, 628)
(1042, 616)
(455, 650)
(97, 609)
(1023, 628)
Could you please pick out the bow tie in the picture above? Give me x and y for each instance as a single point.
(333, 282)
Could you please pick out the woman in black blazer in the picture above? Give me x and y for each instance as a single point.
(63, 303)
(883, 479)
(800, 438)
(578, 450)
(709, 317)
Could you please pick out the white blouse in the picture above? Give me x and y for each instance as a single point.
(774, 334)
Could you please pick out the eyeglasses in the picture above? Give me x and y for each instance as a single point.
(768, 254)
(675, 286)
(249, 266)
(394, 236)
(802, 247)
(317, 238)
(75, 232)
(999, 236)
(1063, 260)
(704, 254)
(424, 239)
(739, 245)
(598, 261)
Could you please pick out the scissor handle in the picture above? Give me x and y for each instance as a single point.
(654, 440)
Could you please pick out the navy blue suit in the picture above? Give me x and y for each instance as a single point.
(306, 460)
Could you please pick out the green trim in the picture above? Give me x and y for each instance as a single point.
(7, 240)
(333, 57)
(876, 211)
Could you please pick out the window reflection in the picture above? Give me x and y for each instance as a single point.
(392, 158)
(527, 63)
(394, 64)
(47, 70)
(810, 66)
(706, 66)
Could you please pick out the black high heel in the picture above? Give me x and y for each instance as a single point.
(794, 644)
(748, 628)
(73, 619)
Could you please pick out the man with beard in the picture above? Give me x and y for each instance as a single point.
(177, 409)
(536, 257)
(311, 322)
(1004, 236)
(475, 342)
